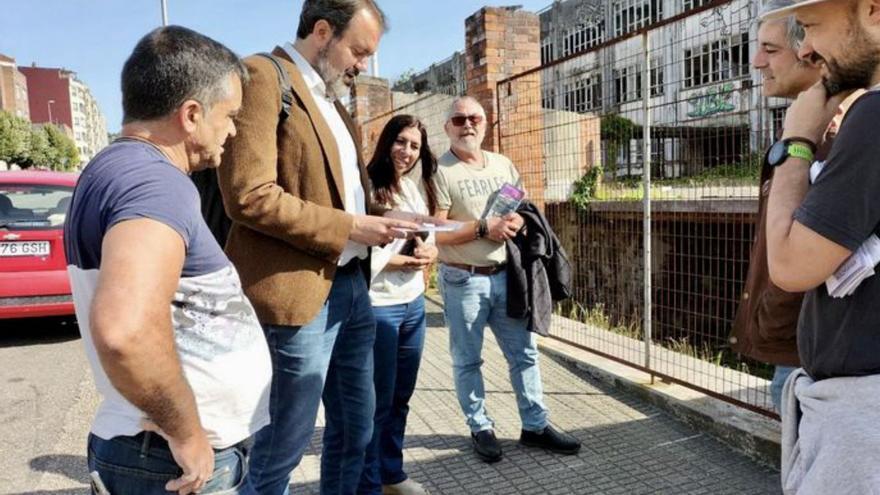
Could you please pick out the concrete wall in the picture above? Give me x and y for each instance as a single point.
(572, 145)
(429, 108)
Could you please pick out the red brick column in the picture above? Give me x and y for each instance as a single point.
(502, 42)
(370, 98)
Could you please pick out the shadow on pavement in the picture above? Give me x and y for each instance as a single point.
(70, 466)
(37, 331)
(645, 456)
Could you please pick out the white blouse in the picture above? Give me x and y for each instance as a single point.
(391, 287)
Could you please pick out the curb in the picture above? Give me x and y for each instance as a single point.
(753, 434)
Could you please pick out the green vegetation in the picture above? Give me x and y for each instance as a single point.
(746, 172)
(616, 132)
(596, 317)
(602, 183)
(45, 146)
(591, 187)
(586, 187)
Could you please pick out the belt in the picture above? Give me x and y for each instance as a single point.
(149, 439)
(479, 270)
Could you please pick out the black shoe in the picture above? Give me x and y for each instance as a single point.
(486, 446)
(552, 440)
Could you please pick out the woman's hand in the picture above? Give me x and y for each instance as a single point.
(425, 251)
(407, 263)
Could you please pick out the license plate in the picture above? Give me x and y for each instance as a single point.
(24, 248)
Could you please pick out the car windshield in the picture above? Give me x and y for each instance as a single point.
(33, 205)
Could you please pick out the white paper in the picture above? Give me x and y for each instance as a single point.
(858, 267)
(447, 227)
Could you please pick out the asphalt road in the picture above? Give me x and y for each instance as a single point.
(45, 408)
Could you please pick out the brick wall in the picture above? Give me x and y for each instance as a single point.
(46, 84)
(502, 42)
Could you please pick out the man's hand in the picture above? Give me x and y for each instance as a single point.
(517, 220)
(371, 230)
(195, 457)
(504, 228)
(811, 113)
(427, 252)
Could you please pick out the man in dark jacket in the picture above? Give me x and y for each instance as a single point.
(766, 322)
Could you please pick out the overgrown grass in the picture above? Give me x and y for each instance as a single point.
(596, 316)
(589, 188)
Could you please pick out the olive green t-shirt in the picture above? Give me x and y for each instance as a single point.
(464, 191)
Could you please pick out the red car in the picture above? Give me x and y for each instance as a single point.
(33, 267)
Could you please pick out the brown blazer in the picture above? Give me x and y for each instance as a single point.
(765, 326)
(283, 190)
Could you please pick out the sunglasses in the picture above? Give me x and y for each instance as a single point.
(459, 120)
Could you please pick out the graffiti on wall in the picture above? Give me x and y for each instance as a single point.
(712, 101)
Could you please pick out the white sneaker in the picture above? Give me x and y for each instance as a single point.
(405, 487)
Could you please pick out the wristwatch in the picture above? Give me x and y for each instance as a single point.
(796, 147)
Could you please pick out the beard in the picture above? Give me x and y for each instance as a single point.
(472, 145)
(338, 82)
(857, 70)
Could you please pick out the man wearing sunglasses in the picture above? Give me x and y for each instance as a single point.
(474, 286)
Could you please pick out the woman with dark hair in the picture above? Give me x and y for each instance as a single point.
(401, 172)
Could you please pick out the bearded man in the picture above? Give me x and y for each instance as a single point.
(294, 189)
(830, 436)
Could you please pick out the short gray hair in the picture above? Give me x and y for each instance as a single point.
(794, 32)
(462, 99)
(171, 65)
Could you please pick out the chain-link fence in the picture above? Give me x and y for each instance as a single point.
(615, 171)
(648, 131)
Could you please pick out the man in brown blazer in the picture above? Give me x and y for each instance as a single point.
(297, 196)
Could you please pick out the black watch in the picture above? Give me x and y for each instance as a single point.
(781, 151)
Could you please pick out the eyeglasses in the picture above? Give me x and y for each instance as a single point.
(459, 120)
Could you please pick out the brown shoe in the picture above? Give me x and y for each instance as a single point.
(405, 487)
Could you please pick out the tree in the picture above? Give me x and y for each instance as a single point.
(64, 154)
(15, 138)
(45, 146)
(40, 151)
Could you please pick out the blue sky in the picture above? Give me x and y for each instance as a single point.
(94, 37)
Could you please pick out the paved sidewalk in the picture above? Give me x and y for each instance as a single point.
(630, 447)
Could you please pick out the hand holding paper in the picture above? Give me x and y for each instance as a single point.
(859, 266)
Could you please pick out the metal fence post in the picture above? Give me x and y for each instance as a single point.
(646, 200)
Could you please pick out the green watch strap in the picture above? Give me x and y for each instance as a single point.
(800, 150)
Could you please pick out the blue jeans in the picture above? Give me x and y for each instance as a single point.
(779, 376)
(133, 466)
(472, 301)
(330, 358)
(400, 338)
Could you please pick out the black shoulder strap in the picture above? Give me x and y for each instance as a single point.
(284, 83)
(206, 180)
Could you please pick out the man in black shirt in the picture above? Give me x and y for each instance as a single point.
(831, 442)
